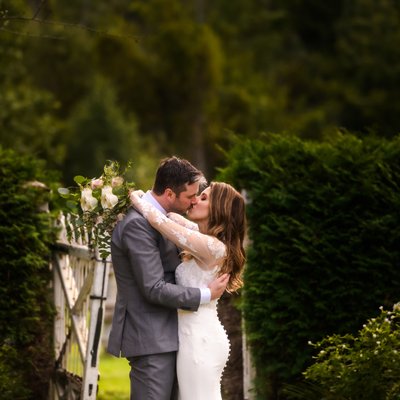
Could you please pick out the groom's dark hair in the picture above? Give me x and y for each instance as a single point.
(175, 173)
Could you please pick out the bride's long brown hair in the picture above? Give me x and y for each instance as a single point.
(227, 222)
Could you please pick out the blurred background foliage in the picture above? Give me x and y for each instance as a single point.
(86, 81)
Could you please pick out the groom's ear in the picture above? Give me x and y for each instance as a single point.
(170, 194)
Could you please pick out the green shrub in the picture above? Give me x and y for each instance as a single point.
(363, 366)
(26, 314)
(324, 228)
(12, 385)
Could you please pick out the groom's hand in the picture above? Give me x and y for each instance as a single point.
(218, 286)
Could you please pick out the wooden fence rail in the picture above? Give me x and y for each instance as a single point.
(80, 285)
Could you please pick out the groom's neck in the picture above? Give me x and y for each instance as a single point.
(162, 201)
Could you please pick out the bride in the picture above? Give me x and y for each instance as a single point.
(212, 244)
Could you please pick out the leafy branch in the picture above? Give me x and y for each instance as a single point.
(6, 19)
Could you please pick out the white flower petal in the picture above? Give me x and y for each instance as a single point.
(88, 202)
(108, 198)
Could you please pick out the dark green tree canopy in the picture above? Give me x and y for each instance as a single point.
(188, 72)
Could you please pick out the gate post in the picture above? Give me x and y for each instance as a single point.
(248, 369)
(97, 302)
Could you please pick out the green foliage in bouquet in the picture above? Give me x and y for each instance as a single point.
(97, 204)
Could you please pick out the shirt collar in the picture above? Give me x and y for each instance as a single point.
(150, 199)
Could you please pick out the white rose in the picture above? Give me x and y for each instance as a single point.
(108, 199)
(88, 202)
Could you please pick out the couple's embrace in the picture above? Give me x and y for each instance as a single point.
(170, 272)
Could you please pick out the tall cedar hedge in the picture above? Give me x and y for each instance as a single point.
(25, 305)
(324, 225)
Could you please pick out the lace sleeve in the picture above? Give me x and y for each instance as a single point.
(183, 221)
(207, 249)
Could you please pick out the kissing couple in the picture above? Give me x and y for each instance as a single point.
(170, 272)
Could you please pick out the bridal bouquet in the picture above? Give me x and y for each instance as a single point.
(97, 204)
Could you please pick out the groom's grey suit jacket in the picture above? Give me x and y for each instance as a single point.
(145, 317)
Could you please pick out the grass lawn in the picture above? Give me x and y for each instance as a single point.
(114, 378)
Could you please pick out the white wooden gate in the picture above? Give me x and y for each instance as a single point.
(80, 287)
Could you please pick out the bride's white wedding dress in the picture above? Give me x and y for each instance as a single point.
(203, 343)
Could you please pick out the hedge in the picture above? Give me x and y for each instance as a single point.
(324, 226)
(26, 313)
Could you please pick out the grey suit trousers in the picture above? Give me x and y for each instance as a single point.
(153, 377)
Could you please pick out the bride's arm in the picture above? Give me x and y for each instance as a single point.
(205, 248)
(179, 219)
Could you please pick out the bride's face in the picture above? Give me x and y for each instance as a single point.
(200, 211)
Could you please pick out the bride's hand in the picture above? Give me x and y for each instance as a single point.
(218, 286)
(135, 196)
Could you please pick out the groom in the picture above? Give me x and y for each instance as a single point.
(144, 327)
